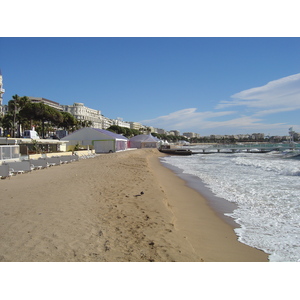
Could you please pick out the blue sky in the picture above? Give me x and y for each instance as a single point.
(200, 84)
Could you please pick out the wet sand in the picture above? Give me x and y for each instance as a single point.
(117, 207)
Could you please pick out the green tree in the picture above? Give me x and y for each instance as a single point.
(127, 132)
(7, 122)
(84, 123)
(42, 113)
(134, 132)
(1, 118)
(15, 105)
(116, 129)
(69, 121)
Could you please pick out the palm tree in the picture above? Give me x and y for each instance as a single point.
(15, 106)
(43, 113)
(12, 107)
(84, 123)
(69, 121)
(7, 122)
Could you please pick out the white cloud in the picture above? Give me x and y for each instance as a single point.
(273, 111)
(190, 120)
(184, 118)
(281, 93)
(248, 123)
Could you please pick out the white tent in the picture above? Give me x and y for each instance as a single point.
(143, 141)
(103, 141)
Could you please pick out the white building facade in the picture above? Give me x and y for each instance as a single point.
(121, 123)
(174, 132)
(50, 103)
(135, 125)
(191, 134)
(83, 113)
(160, 131)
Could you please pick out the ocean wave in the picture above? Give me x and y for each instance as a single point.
(287, 168)
(265, 188)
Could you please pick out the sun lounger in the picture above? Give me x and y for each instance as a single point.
(66, 159)
(69, 158)
(19, 167)
(15, 172)
(74, 158)
(58, 160)
(38, 164)
(53, 161)
(4, 171)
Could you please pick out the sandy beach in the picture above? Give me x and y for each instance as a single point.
(117, 207)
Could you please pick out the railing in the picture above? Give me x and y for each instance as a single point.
(9, 152)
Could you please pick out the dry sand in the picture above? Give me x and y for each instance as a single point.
(93, 210)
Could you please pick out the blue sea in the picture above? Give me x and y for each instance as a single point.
(265, 190)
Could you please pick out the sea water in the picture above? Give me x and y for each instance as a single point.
(266, 190)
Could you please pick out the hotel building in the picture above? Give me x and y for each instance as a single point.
(51, 103)
(83, 113)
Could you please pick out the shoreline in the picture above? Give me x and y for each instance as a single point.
(209, 233)
(220, 205)
(117, 207)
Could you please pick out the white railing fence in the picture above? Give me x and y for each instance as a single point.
(9, 152)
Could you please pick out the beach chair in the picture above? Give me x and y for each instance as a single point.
(53, 161)
(36, 167)
(5, 172)
(74, 158)
(20, 167)
(15, 172)
(38, 164)
(66, 159)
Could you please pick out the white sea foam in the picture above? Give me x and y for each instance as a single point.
(266, 189)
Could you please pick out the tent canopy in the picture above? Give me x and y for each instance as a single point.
(102, 140)
(143, 141)
(88, 133)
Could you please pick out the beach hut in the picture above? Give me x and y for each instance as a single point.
(103, 141)
(144, 141)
